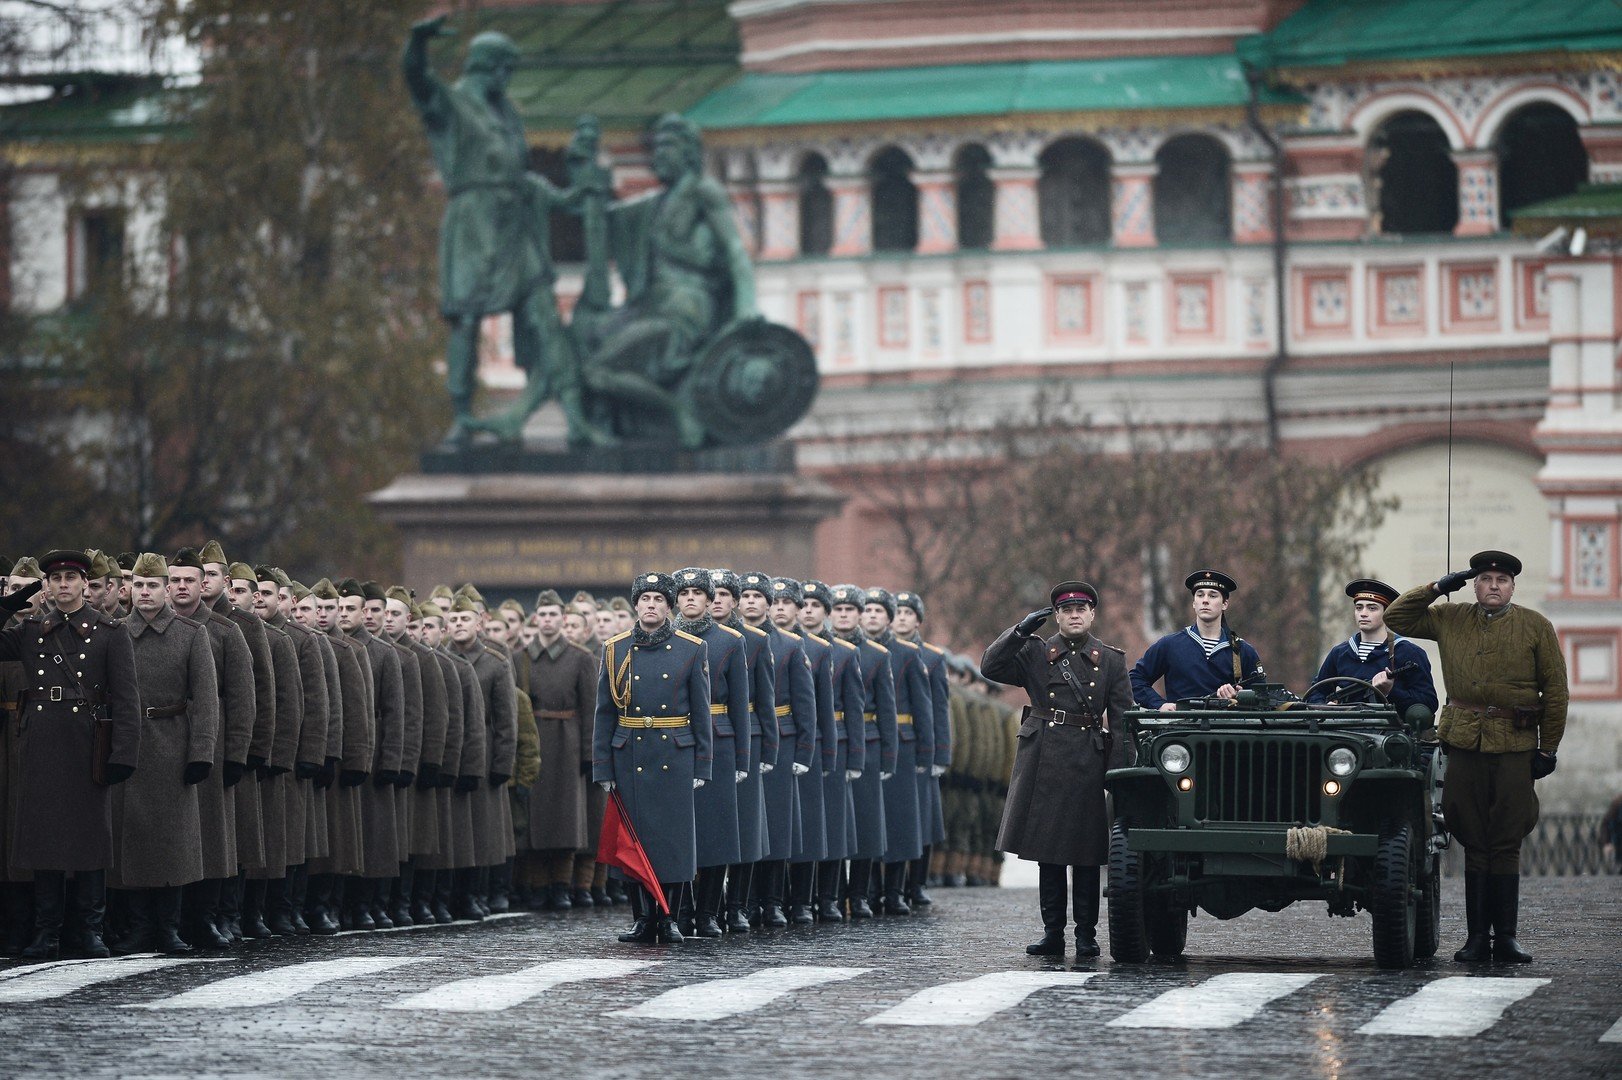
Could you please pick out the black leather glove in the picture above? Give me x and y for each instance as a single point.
(402, 779)
(116, 773)
(383, 778)
(1453, 582)
(328, 774)
(306, 770)
(427, 776)
(234, 771)
(1030, 623)
(263, 772)
(1542, 764)
(197, 771)
(279, 770)
(499, 778)
(466, 784)
(15, 601)
(352, 778)
(585, 768)
(447, 779)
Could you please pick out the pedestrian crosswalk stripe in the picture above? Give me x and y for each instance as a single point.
(31, 969)
(44, 983)
(720, 998)
(1613, 1035)
(278, 984)
(1221, 1001)
(959, 1004)
(493, 993)
(435, 925)
(1451, 1008)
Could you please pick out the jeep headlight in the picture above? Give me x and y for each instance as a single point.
(1342, 761)
(1174, 758)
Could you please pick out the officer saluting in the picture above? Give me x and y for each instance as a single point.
(1055, 810)
(1393, 665)
(1198, 660)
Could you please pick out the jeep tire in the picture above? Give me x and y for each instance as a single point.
(1428, 919)
(1391, 899)
(1138, 923)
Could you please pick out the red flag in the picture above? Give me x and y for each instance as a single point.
(619, 846)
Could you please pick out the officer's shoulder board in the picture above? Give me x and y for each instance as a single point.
(909, 644)
(685, 636)
(1113, 648)
(788, 634)
(728, 629)
(879, 647)
(935, 648)
(617, 638)
(843, 642)
(813, 637)
(755, 630)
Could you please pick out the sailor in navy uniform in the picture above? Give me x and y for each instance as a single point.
(1395, 666)
(1198, 660)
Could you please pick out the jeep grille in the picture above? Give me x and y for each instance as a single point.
(1269, 780)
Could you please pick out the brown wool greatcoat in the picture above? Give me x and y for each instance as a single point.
(233, 675)
(1055, 808)
(382, 841)
(276, 786)
(157, 827)
(411, 743)
(492, 817)
(351, 746)
(424, 802)
(64, 820)
(449, 751)
(310, 747)
(563, 691)
(470, 763)
(249, 807)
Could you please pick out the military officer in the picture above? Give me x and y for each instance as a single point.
(156, 824)
(1055, 813)
(715, 805)
(763, 746)
(81, 671)
(812, 849)
(1501, 727)
(1393, 665)
(878, 732)
(909, 616)
(651, 741)
(849, 748)
(1198, 660)
(915, 727)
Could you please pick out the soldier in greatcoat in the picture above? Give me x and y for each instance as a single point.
(434, 884)
(915, 748)
(18, 887)
(156, 816)
(81, 670)
(1055, 815)
(849, 748)
(812, 846)
(492, 825)
(881, 741)
(322, 753)
(380, 848)
(423, 801)
(763, 747)
(652, 741)
(385, 618)
(909, 616)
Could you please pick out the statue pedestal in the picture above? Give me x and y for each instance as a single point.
(466, 517)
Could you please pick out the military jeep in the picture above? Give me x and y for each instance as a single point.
(1265, 801)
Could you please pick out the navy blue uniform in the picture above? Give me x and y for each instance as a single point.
(915, 730)
(795, 709)
(849, 747)
(716, 803)
(940, 701)
(1180, 659)
(763, 741)
(813, 816)
(878, 732)
(1415, 686)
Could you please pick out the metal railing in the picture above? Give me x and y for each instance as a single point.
(1561, 845)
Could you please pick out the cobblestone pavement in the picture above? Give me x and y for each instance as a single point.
(948, 993)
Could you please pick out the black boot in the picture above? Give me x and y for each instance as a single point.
(466, 905)
(861, 871)
(253, 911)
(400, 896)
(378, 905)
(319, 909)
(166, 919)
(917, 874)
(481, 891)
(230, 920)
(50, 893)
(422, 895)
(828, 892)
(1050, 897)
(500, 900)
(559, 897)
(275, 910)
(707, 893)
(1086, 910)
(1477, 920)
(802, 880)
(895, 879)
(358, 904)
(773, 877)
(644, 930)
(1503, 903)
(613, 892)
(19, 911)
(90, 905)
(582, 899)
(298, 884)
(444, 888)
(140, 933)
(737, 896)
(667, 932)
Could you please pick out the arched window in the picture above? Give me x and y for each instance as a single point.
(1417, 182)
(1073, 193)
(816, 206)
(567, 232)
(1540, 156)
(976, 196)
(1193, 191)
(895, 201)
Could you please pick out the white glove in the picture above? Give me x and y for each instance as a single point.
(606, 785)
(937, 770)
(697, 783)
(766, 767)
(885, 775)
(827, 773)
(853, 775)
(741, 775)
(801, 770)
(920, 769)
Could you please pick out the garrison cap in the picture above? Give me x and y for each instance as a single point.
(882, 597)
(512, 605)
(1503, 561)
(905, 599)
(786, 588)
(324, 590)
(654, 581)
(695, 577)
(725, 579)
(815, 590)
(371, 590)
(755, 581)
(467, 589)
(548, 598)
(1072, 592)
(300, 590)
(1366, 588)
(416, 611)
(264, 572)
(101, 565)
(441, 592)
(431, 610)
(279, 576)
(150, 564)
(26, 567)
(349, 587)
(846, 594)
(400, 593)
(582, 596)
(619, 603)
(213, 553)
(65, 559)
(241, 571)
(185, 557)
(126, 560)
(464, 603)
(1211, 579)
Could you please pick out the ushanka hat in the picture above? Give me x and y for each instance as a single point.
(815, 590)
(695, 577)
(786, 588)
(654, 581)
(905, 599)
(722, 578)
(847, 594)
(755, 581)
(882, 597)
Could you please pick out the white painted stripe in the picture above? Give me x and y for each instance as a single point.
(30, 969)
(1451, 1008)
(435, 925)
(43, 984)
(959, 1004)
(1613, 1035)
(492, 993)
(278, 984)
(721, 998)
(1221, 1001)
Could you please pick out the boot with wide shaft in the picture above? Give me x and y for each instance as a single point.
(773, 877)
(230, 920)
(166, 919)
(667, 932)
(737, 921)
(358, 904)
(828, 892)
(422, 895)
(895, 880)
(400, 897)
(499, 898)
(481, 891)
(917, 875)
(801, 882)
(1477, 920)
(1086, 911)
(444, 890)
(1504, 902)
(90, 905)
(298, 885)
(1050, 898)
(140, 933)
(253, 911)
(319, 910)
(861, 871)
(275, 909)
(644, 928)
(465, 904)
(707, 898)
(50, 897)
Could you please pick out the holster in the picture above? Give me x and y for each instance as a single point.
(1526, 717)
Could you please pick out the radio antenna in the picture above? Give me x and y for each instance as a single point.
(1448, 569)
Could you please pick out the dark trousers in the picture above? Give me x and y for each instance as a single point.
(1051, 893)
(1490, 805)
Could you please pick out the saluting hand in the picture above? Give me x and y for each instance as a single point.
(1032, 622)
(18, 599)
(1453, 582)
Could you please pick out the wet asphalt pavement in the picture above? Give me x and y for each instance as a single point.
(1278, 995)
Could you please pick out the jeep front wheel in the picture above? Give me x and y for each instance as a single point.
(1128, 936)
(1392, 901)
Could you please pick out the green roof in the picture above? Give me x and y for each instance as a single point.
(626, 61)
(1332, 33)
(1026, 86)
(90, 109)
(1590, 205)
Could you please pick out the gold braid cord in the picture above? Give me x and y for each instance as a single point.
(619, 682)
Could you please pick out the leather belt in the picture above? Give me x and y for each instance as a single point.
(870, 716)
(160, 712)
(56, 693)
(653, 721)
(554, 714)
(1481, 710)
(903, 718)
(1062, 718)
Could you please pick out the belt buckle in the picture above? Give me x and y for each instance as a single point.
(1059, 716)
(56, 693)
(647, 722)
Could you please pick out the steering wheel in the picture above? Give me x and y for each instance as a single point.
(1346, 679)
